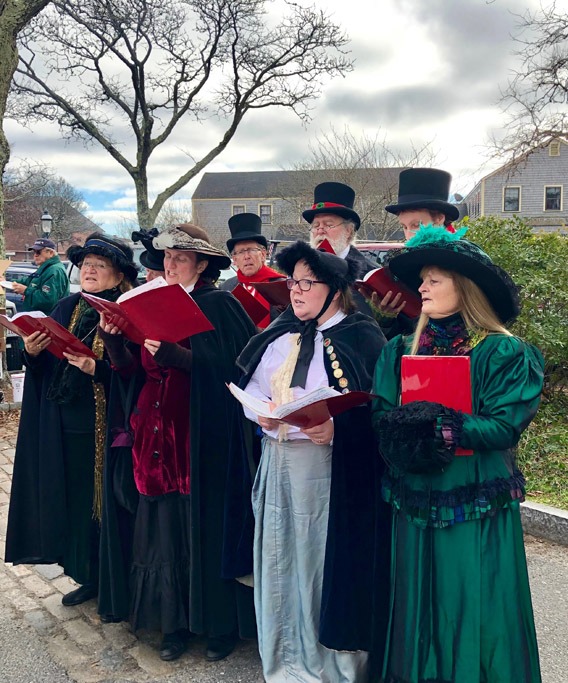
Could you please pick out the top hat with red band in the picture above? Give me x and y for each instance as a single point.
(334, 198)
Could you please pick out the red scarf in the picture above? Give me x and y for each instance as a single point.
(263, 275)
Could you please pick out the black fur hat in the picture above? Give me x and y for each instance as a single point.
(117, 251)
(336, 272)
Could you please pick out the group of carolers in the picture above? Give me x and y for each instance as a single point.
(360, 549)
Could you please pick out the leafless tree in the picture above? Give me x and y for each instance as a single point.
(368, 164)
(536, 97)
(30, 190)
(126, 73)
(14, 15)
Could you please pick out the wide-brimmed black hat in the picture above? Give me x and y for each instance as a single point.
(433, 246)
(152, 258)
(424, 188)
(189, 237)
(336, 272)
(334, 198)
(245, 226)
(117, 251)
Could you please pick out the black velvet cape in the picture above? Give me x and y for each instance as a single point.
(355, 589)
(217, 605)
(37, 519)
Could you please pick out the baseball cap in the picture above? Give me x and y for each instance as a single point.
(42, 243)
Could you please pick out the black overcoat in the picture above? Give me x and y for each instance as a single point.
(355, 589)
(217, 606)
(37, 519)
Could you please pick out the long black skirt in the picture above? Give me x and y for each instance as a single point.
(81, 554)
(159, 579)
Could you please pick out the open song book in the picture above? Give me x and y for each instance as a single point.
(61, 340)
(310, 410)
(156, 310)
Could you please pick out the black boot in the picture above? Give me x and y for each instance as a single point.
(80, 595)
(174, 645)
(220, 647)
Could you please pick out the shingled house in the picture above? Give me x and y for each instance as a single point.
(533, 189)
(279, 197)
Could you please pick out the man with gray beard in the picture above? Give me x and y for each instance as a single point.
(332, 217)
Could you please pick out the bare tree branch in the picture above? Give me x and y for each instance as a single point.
(536, 97)
(368, 164)
(149, 66)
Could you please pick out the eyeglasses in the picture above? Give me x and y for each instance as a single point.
(326, 227)
(244, 252)
(92, 264)
(304, 285)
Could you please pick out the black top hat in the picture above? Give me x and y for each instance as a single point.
(334, 198)
(245, 226)
(336, 272)
(433, 246)
(117, 251)
(424, 188)
(152, 258)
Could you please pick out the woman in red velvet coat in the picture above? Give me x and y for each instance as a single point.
(181, 425)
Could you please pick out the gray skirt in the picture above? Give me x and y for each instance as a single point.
(291, 507)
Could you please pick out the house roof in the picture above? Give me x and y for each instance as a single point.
(276, 184)
(512, 166)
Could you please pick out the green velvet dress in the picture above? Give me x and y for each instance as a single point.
(460, 609)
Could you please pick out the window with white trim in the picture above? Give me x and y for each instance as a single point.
(554, 148)
(553, 197)
(265, 213)
(512, 198)
(238, 208)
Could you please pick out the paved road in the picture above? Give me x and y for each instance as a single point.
(42, 641)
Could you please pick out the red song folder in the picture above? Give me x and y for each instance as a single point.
(441, 379)
(257, 307)
(167, 314)
(61, 340)
(275, 292)
(381, 281)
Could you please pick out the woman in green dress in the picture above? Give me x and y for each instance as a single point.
(460, 609)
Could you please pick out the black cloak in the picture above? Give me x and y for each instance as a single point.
(355, 589)
(217, 606)
(37, 520)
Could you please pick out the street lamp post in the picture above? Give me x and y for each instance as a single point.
(46, 223)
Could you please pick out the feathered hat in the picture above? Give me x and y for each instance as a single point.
(432, 246)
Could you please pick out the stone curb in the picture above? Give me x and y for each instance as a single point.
(545, 521)
(10, 406)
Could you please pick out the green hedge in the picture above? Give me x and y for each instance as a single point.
(539, 264)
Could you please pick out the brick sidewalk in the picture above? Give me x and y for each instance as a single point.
(89, 651)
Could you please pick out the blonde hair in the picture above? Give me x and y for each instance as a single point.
(478, 314)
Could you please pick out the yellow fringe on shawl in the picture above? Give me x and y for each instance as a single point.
(100, 422)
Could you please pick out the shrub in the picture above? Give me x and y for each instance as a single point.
(538, 263)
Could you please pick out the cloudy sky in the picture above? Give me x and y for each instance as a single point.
(425, 71)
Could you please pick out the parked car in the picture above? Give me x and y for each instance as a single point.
(377, 251)
(374, 251)
(18, 270)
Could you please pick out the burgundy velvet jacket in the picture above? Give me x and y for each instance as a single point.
(160, 423)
